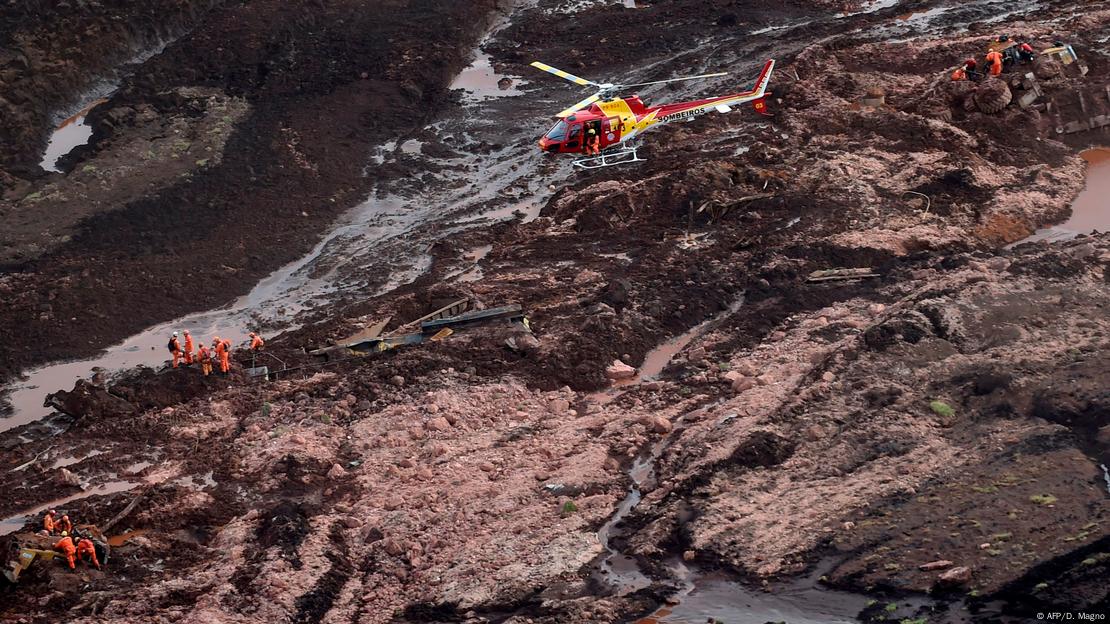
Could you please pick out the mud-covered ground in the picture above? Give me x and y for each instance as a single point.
(218, 160)
(932, 437)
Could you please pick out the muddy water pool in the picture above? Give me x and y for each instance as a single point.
(1091, 210)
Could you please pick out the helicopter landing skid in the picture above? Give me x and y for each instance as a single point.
(609, 158)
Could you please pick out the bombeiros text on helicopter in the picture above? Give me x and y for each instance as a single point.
(605, 127)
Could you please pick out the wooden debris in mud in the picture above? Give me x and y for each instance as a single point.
(1092, 122)
(839, 275)
(126, 510)
(718, 211)
(452, 309)
(373, 331)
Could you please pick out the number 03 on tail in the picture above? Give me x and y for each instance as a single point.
(602, 129)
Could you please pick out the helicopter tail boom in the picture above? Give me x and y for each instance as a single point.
(686, 110)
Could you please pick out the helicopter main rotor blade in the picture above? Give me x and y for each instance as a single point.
(655, 82)
(579, 106)
(565, 75)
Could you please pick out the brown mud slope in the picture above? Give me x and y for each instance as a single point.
(953, 407)
(224, 156)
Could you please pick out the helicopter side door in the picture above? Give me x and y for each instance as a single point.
(573, 142)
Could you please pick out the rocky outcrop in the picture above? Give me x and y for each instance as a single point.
(88, 400)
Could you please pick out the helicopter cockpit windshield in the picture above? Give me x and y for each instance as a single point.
(558, 133)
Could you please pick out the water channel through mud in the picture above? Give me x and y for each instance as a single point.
(705, 597)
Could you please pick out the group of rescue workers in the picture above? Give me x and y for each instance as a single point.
(72, 544)
(1003, 52)
(220, 353)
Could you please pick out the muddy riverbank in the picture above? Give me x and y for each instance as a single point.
(53, 53)
(224, 160)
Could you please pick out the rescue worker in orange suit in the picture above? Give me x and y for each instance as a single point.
(994, 57)
(205, 359)
(175, 348)
(64, 524)
(221, 347)
(188, 348)
(593, 143)
(256, 346)
(67, 548)
(86, 549)
(48, 524)
(225, 361)
(959, 74)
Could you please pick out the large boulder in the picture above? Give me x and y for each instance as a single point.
(618, 370)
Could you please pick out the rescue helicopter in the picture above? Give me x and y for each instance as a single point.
(619, 121)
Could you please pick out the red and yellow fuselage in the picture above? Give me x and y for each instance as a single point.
(620, 119)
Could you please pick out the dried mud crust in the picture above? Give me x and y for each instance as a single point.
(246, 189)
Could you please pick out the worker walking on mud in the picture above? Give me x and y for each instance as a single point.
(994, 57)
(87, 550)
(67, 548)
(225, 360)
(188, 348)
(48, 524)
(205, 359)
(175, 348)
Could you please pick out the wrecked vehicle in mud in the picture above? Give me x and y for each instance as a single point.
(24, 549)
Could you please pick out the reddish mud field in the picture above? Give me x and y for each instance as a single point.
(692, 424)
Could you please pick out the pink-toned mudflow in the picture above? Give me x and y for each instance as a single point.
(930, 436)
